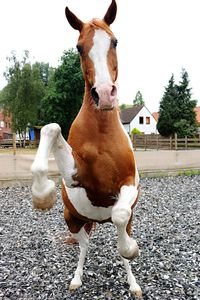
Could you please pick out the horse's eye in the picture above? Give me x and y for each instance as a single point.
(80, 49)
(114, 43)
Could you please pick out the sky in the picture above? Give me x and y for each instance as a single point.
(155, 39)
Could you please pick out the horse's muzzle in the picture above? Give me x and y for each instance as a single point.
(104, 96)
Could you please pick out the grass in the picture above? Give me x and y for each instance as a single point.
(191, 172)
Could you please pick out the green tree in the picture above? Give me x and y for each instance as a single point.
(176, 112)
(23, 93)
(63, 100)
(138, 99)
(125, 106)
(185, 124)
(167, 110)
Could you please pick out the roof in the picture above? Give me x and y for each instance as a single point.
(155, 115)
(128, 114)
(196, 109)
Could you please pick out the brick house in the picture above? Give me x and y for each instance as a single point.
(5, 126)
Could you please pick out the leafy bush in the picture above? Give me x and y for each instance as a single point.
(136, 131)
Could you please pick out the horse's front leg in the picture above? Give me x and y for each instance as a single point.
(43, 189)
(127, 247)
(121, 217)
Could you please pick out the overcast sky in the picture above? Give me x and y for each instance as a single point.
(155, 39)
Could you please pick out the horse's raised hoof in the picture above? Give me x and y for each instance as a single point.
(46, 202)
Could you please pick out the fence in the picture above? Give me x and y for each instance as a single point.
(158, 142)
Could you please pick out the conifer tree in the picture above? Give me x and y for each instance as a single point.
(167, 112)
(185, 124)
(176, 112)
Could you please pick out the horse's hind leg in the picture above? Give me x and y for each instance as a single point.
(77, 229)
(83, 239)
(134, 287)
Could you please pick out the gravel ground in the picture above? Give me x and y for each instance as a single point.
(37, 264)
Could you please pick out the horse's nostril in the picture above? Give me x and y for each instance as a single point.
(114, 91)
(95, 95)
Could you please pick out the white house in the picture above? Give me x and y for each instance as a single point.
(138, 117)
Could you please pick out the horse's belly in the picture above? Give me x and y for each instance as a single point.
(78, 198)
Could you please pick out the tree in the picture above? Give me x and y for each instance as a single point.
(176, 112)
(138, 99)
(63, 100)
(23, 93)
(125, 106)
(167, 110)
(185, 124)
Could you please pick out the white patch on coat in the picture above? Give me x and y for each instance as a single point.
(98, 54)
(80, 201)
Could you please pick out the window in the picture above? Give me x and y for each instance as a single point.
(141, 120)
(2, 124)
(147, 120)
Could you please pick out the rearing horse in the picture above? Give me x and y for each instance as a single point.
(100, 181)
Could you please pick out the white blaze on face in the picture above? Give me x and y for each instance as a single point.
(98, 54)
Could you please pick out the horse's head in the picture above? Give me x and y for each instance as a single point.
(97, 48)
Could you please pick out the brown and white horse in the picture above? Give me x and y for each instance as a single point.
(100, 181)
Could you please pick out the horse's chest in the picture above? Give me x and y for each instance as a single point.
(105, 168)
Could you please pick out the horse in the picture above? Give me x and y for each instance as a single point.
(100, 180)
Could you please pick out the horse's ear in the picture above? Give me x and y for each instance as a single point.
(111, 13)
(73, 20)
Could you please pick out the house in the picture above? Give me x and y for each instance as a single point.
(138, 117)
(5, 126)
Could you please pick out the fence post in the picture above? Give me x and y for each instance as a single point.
(145, 143)
(176, 146)
(186, 143)
(133, 140)
(170, 143)
(14, 143)
(157, 141)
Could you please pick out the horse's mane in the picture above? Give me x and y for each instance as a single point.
(97, 23)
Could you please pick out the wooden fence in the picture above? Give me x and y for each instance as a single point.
(158, 142)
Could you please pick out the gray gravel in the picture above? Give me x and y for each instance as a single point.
(36, 263)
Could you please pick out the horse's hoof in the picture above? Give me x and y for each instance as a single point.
(137, 292)
(74, 287)
(70, 240)
(46, 202)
